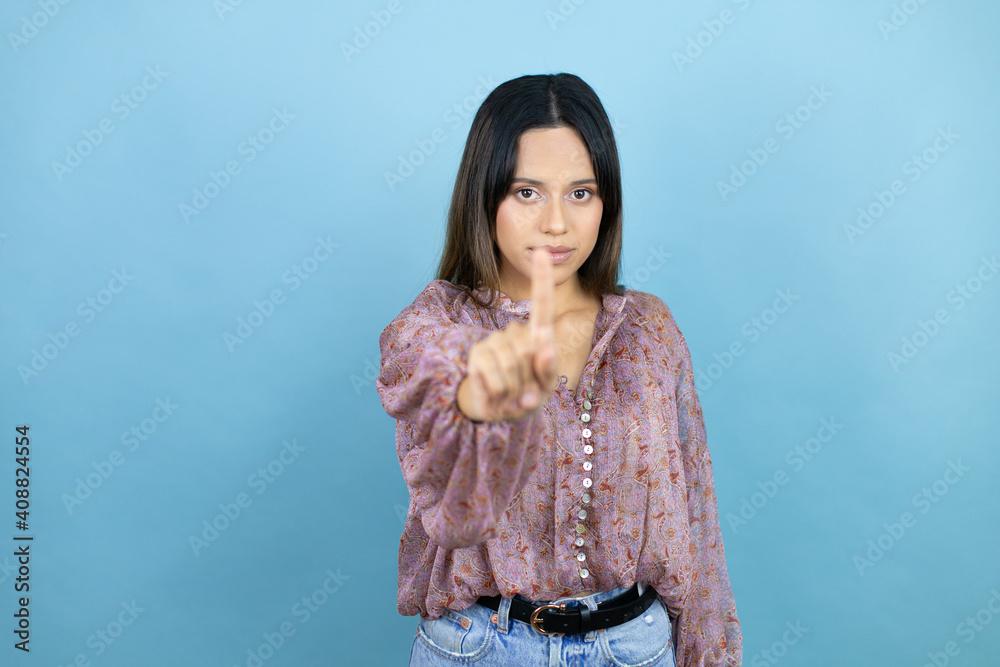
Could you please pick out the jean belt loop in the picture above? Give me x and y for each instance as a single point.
(503, 615)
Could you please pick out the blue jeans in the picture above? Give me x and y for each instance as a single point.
(490, 638)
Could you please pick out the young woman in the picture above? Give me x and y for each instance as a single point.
(562, 503)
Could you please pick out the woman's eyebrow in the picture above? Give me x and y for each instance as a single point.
(532, 181)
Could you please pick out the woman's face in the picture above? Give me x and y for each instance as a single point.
(552, 201)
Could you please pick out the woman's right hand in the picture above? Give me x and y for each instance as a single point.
(512, 372)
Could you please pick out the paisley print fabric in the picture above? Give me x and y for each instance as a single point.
(604, 486)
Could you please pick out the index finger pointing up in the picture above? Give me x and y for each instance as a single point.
(542, 297)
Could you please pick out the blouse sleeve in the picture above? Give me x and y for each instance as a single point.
(461, 474)
(707, 628)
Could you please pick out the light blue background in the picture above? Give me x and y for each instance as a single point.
(306, 374)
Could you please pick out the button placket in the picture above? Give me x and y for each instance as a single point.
(588, 465)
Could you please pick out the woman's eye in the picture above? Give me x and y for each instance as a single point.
(581, 190)
(523, 190)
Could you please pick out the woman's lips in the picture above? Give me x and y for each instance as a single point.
(557, 257)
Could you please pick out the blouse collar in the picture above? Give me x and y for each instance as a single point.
(613, 303)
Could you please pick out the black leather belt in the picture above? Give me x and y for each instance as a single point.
(559, 619)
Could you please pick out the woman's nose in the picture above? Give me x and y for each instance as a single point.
(553, 218)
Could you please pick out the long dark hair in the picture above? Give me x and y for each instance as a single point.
(471, 256)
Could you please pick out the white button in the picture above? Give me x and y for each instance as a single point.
(584, 573)
(586, 497)
(587, 405)
(582, 514)
(588, 449)
(579, 542)
(581, 556)
(587, 465)
(585, 417)
(587, 433)
(587, 482)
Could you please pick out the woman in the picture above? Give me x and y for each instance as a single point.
(562, 504)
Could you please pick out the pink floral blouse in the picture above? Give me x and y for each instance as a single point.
(604, 486)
